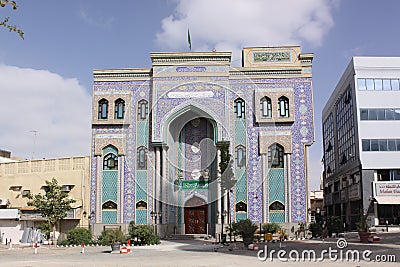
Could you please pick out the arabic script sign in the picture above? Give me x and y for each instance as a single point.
(271, 56)
(387, 188)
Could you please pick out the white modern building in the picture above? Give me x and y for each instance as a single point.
(361, 142)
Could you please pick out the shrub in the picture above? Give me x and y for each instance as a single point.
(244, 228)
(110, 236)
(315, 229)
(144, 234)
(78, 236)
(271, 228)
(335, 225)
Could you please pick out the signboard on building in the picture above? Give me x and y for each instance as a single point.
(354, 191)
(389, 189)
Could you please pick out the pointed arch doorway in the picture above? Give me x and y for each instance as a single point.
(196, 211)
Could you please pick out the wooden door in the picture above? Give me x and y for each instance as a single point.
(196, 220)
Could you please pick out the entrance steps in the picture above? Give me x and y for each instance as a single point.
(187, 237)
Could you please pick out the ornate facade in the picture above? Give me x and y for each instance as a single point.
(156, 136)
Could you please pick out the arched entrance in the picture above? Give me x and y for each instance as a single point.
(192, 167)
(196, 211)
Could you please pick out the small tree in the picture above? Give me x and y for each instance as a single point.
(227, 176)
(53, 205)
(4, 21)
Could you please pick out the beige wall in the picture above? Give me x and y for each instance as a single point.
(32, 174)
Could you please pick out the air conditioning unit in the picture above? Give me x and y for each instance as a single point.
(66, 188)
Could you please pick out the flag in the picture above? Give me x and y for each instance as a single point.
(189, 41)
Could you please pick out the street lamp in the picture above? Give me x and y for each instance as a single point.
(224, 213)
(154, 216)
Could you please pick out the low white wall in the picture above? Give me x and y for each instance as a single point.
(10, 229)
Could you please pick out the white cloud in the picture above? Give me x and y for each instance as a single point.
(231, 25)
(57, 108)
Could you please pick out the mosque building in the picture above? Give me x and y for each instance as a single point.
(159, 134)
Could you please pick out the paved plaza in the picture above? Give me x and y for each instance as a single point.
(195, 253)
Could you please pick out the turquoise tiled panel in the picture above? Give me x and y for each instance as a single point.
(240, 173)
(241, 192)
(110, 149)
(142, 133)
(141, 185)
(276, 182)
(240, 132)
(110, 186)
(277, 217)
(109, 216)
(241, 216)
(141, 216)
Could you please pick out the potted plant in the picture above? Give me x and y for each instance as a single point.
(363, 228)
(113, 237)
(246, 229)
(269, 229)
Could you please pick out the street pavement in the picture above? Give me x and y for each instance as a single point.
(208, 253)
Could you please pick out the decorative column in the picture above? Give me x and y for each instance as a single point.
(264, 177)
(121, 195)
(164, 182)
(219, 212)
(288, 189)
(157, 181)
(99, 189)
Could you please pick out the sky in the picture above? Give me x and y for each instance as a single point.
(46, 79)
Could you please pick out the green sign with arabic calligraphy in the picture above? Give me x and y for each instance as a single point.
(271, 56)
(194, 184)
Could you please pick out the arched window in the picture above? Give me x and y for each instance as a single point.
(110, 162)
(142, 158)
(119, 109)
(283, 107)
(240, 156)
(266, 107)
(277, 206)
(275, 156)
(103, 109)
(239, 108)
(141, 205)
(109, 205)
(143, 109)
(241, 207)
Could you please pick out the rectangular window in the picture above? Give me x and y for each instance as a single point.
(381, 114)
(395, 84)
(389, 114)
(366, 145)
(386, 84)
(383, 145)
(361, 85)
(374, 145)
(378, 84)
(370, 84)
(392, 145)
(398, 144)
(364, 114)
(397, 114)
(372, 114)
